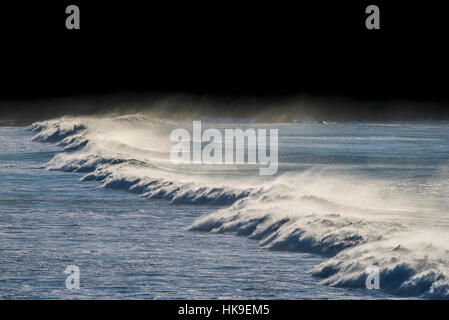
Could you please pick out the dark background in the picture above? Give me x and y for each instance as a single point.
(226, 48)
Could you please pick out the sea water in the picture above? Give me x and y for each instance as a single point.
(100, 193)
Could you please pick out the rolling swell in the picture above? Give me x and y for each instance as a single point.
(409, 265)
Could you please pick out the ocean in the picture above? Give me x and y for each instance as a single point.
(101, 193)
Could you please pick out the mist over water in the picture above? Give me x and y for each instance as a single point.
(261, 108)
(357, 193)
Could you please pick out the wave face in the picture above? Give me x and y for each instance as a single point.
(342, 192)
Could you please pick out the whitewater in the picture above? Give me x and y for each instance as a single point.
(347, 195)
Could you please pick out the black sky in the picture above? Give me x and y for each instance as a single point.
(259, 49)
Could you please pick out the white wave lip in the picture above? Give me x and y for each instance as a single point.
(354, 223)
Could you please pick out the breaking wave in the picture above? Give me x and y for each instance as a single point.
(354, 223)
